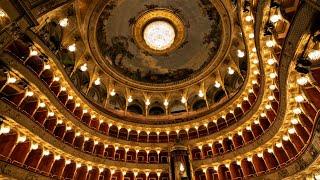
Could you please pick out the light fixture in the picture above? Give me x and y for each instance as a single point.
(270, 43)
(271, 98)
(200, 94)
(273, 75)
(147, 102)
(248, 128)
(255, 61)
(29, 93)
(239, 133)
(254, 49)
(291, 130)
(256, 72)
(181, 167)
(50, 114)
(97, 82)
(58, 157)
(4, 129)
(183, 100)
(130, 99)
(64, 22)
(77, 134)
(297, 111)
(166, 102)
(46, 67)
(249, 18)
(78, 165)
(249, 159)
(89, 168)
(70, 97)
(33, 53)
(314, 55)
(230, 70)
(11, 80)
(56, 78)
(275, 18)
(279, 144)
(294, 121)
(113, 92)
(63, 88)
(240, 54)
(84, 111)
(270, 150)
(68, 161)
(299, 98)
(21, 139)
(46, 152)
(271, 61)
(42, 105)
(285, 138)
(217, 84)
(77, 105)
(272, 87)
(302, 80)
(159, 35)
(256, 122)
(59, 121)
(84, 67)
(2, 13)
(268, 106)
(251, 35)
(68, 128)
(72, 47)
(260, 155)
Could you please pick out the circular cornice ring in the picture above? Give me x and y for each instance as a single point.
(226, 19)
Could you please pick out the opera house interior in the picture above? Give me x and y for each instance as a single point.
(160, 89)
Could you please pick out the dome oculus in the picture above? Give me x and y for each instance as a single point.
(159, 35)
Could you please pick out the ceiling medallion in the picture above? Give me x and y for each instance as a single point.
(159, 31)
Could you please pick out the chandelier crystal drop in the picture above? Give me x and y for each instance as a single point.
(159, 35)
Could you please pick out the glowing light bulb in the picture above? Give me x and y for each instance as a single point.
(183, 100)
(270, 43)
(72, 48)
(297, 111)
(84, 67)
(97, 82)
(302, 81)
(46, 67)
(42, 105)
(113, 92)
(249, 159)
(68, 161)
(249, 18)
(56, 78)
(181, 167)
(275, 18)
(273, 75)
(50, 114)
(217, 84)
(33, 53)
(294, 121)
(251, 35)
(255, 61)
(63, 88)
(314, 55)
(200, 94)
(29, 93)
(291, 130)
(2, 13)
(299, 98)
(256, 72)
(271, 98)
(285, 138)
(272, 87)
(34, 146)
(279, 144)
(147, 102)
(166, 102)
(230, 71)
(46, 152)
(11, 80)
(270, 150)
(64, 22)
(260, 155)
(240, 54)
(130, 99)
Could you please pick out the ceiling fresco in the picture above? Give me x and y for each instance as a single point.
(117, 45)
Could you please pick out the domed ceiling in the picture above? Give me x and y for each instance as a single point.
(200, 28)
